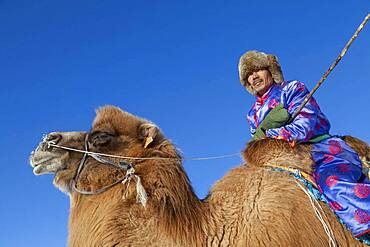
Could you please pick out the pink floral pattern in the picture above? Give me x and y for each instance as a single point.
(362, 191)
(343, 168)
(362, 216)
(328, 158)
(340, 172)
(331, 181)
(273, 103)
(334, 147)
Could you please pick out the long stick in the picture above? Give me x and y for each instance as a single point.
(331, 68)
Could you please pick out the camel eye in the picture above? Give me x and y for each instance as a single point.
(98, 138)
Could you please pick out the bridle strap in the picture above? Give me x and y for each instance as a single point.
(122, 165)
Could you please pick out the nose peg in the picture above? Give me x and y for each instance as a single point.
(52, 138)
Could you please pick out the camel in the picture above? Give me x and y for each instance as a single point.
(249, 206)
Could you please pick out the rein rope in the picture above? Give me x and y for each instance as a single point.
(141, 196)
(319, 212)
(130, 171)
(52, 144)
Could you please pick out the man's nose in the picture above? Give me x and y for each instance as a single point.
(254, 75)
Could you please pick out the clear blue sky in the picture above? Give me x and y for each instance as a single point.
(173, 62)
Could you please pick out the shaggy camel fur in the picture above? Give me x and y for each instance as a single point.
(250, 206)
(264, 152)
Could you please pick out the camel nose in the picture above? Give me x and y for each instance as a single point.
(52, 138)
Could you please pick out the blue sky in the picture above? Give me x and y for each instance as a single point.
(173, 62)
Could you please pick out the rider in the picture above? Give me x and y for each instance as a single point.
(338, 169)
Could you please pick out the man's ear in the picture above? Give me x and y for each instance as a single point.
(148, 132)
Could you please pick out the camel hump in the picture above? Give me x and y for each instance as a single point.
(270, 151)
(362, 149)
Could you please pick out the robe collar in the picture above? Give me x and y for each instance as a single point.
(260, 100)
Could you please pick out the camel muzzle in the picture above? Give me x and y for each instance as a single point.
(46, 159)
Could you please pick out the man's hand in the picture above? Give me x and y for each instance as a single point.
(260, 134)
(276, 118)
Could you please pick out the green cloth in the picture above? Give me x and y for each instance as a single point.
(319, 138)
(276, 118)
(260, 134)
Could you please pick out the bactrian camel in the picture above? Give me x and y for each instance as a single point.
(250, 206)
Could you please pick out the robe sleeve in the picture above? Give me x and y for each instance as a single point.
(251, 121)
(306, 124)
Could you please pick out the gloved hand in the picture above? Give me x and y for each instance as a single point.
(260, 134)
(276, 118)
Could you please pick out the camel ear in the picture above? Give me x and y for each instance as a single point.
(148, 132)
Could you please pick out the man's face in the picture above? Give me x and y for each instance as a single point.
(260, 81)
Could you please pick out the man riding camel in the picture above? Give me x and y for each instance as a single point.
(338, 169)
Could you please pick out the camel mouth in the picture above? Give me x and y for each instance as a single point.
(45, 162)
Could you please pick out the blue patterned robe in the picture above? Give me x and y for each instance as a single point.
(338, 169)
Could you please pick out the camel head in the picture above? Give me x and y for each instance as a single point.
(113, 132)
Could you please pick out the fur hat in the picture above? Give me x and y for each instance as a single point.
(253, 61)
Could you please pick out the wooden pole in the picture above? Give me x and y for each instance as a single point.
(331, 68)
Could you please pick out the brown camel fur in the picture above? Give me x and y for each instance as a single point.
(250, 206)
(261, 153)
